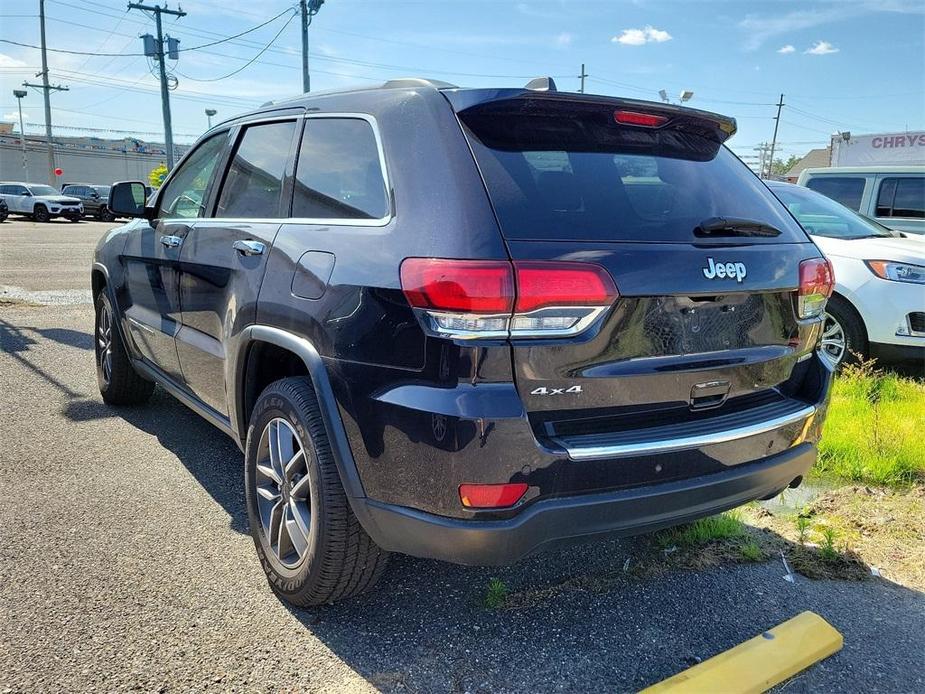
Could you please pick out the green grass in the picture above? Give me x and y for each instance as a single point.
(874, 429)
(751, 551)
(496, 595)
(802, 523)
(721, 527)
(827, 549)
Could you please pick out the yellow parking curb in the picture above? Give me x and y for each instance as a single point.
(762, 662)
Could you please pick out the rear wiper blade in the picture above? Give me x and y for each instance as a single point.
(734, 226)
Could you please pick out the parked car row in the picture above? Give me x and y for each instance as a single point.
(43, 203)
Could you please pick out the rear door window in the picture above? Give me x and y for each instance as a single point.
(902, 197)
(254, 181)
(593, 188)
(339, 174)
(848, 191)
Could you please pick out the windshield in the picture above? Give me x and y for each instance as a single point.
(822, 216)
(43, 190)
(102, 190)
(553, 180)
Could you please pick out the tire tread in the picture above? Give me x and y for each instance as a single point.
(349, 562)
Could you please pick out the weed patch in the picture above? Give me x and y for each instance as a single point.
(496, 594)
(724, 526)
(873, 427)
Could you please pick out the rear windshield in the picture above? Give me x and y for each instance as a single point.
(627, 189)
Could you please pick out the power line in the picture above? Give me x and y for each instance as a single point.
(247, 64)
(128, 55)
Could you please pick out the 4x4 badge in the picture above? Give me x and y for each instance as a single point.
(722, 270)
(543, 390)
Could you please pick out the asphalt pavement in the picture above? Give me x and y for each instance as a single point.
(125, 561)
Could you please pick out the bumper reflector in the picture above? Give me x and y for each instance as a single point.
(491, 495)
(762, 662)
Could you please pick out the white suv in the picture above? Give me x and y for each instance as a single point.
(40, 202)
(878, 308)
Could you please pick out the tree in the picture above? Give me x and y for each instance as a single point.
(157, 175)
(781, 167)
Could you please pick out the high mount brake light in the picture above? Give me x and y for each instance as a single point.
(479, 299)
(817, 280)
(648, 120)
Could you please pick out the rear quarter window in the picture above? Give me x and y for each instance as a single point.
(339, 174)
(846, 190)
(902, 197)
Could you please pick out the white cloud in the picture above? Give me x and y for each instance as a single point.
(786, 49)
(564, 39)
(821, 48)
(10, 61)
(762, 28)
(12, 116)
(638, 37)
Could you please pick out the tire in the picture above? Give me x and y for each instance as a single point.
(106, 215)
(327, 555)
(841, 319)
(118, 381)
(40, 214)
(3, 216)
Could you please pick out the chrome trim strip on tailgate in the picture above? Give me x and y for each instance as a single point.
(623, 450)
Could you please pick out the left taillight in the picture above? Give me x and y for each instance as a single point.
(817, 280)
(475, 299)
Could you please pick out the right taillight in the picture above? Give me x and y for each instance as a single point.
(480, 299)
(817, 280)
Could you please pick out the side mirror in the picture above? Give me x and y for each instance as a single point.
(127, 199)
(27, 193)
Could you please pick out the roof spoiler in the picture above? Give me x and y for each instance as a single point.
(532, 102)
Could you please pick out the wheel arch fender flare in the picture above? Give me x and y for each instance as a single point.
(321, 382)
(110, 292)
(849, 298)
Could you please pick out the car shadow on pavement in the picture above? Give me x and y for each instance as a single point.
(16, 341)
(209, 455)
(578, 622)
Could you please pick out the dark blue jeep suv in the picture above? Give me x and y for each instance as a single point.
(468, 324)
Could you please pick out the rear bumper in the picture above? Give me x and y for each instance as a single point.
(569, 519)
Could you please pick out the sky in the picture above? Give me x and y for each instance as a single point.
(842, 65)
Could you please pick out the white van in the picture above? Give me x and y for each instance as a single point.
(894, 196)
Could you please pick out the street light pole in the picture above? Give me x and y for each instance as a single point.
(209, 113)
(19, 94)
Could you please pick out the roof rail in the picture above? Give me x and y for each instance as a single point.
(542, 84)
(404, 82)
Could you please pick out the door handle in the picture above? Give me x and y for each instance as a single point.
(171, 241)
(249, 247)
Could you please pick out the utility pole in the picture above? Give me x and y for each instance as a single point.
(780, 105)
(309, 9)
(160, 56)
(46, 89)
(581, 89)
(762, 150)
